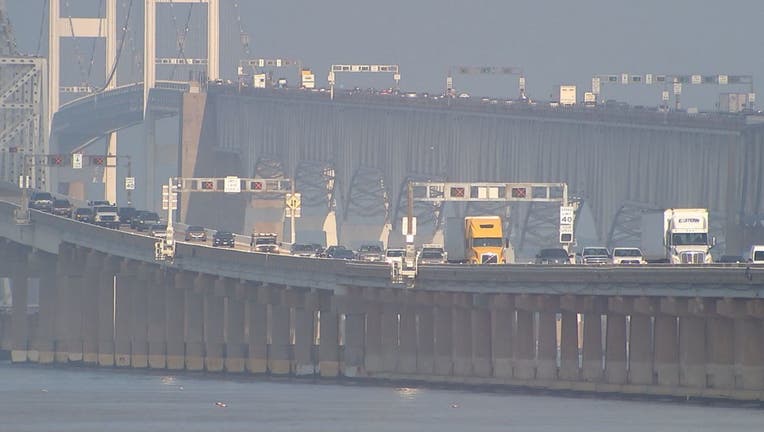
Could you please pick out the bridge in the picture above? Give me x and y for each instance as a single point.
(678, 331)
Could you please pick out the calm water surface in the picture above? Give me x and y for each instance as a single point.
(82, 400)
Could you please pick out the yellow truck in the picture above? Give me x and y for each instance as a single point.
(475, 240)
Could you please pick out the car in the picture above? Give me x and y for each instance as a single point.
(339, 252)
(731, 259)
(83, 214)
(370, 253)
(42, 201)
(143, 220)
(553, 256)
(756, 255)
(61, 207)
(223, 238)
(432, 254)
(106, 216)
(394, 256)
(96, 203)
(196, 233)
(264, 242)
(595, 255)
(628, 255)
(158, 230)
(126, 215)
(304, 250)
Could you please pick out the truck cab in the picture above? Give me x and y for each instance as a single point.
(686, 236)
(484, 240)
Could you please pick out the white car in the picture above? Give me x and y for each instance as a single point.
(628, 255)
(395, 256)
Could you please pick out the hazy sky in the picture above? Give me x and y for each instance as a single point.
(555, 41)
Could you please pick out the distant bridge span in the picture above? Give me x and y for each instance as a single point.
(608, 156)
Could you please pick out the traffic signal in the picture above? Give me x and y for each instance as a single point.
(97, 160)
(519, 192)
(457, 192)
(256, 185)
(208, 185)
(56, 160)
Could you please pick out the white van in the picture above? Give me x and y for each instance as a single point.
(757, 254)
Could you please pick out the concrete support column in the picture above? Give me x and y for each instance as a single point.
(42, 348)
(425, 354)
(481, 341)
(720, 352)
(139, 320)
(692, 351)
(502, 328)
(304, 331)
(194, 322)
(592, 356)
(389, 337)
(257, 323)
(666, 351)
(19, 318)
(157, 320)
(73, 314)
(355, 324)
(546, 364)
(214, 324)
(640, 350)
(373, 358)
(461, 331)
(279, 354)
(127, 281)
(90, 319)
(749, 354)
(235, 348)
(408, 341)
(175, 298)
(328, 349)
(615, 349)
(106, 311)
(444, 364)
(569, 346)
(64, 267)
(523, 350)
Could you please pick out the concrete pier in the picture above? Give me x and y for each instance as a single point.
(214, 326)
(157, 320)
(235, 346)
(174, 297)
(328, 349)
(194, 331)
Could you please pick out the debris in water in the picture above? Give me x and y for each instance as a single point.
(180, 388)
(44, 390)
(454, 405)
(221, 404)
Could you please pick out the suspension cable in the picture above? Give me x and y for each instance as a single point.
(113, 71)
(243, 35)
(77, 52)
(93, 46)
(42, 27)
(182, 41)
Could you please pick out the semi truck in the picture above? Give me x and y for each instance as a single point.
(564, 95)
(677, 236)
(475, 240)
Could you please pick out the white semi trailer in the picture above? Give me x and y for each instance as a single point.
(686, 236)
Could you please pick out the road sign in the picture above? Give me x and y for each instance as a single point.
(297, 212)
(405, 226)
(169, 200)
(232, 185)
(129, 183)
(293, 201)
(77, 160)
(567, 217)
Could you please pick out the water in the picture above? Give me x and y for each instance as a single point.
(83, 400)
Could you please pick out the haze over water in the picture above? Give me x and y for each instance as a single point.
(83, 400)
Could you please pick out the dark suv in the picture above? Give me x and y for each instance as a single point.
(61, 207)
(553, 256)
(84, 214)
(223, 238)
(142, 221)
(42, 201)
(126, 215)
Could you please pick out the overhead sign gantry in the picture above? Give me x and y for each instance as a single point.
(485, 70)
(363, 68)
(164, 249)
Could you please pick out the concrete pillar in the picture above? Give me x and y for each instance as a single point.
(481, 341)
(157, 320)
(257, 323)
(425, 354)
(592, 356)
(42, 348)
(615, 349)
(304, 331)
(461, 340)
(373, 358)
(328, 349)
(194, 322)
(692, 351)
(106, 311)
(389, 337)
(279, 354)
(90, 320)
(214, 324)
(127, 279)
(640, 350)
(666, 351)
(569, 346)
(139, 318)
(749, 353)
(502, 328)
(523, 350)
(64, 293)
(19, 318)
(546, 364)
(406, 363)
(235, 348)
(444, 364)
(720, 352)
(175, 289)
(355, 324)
